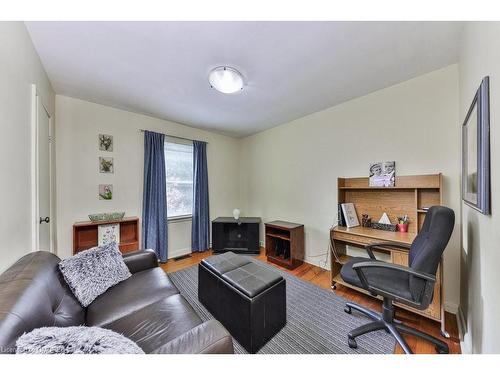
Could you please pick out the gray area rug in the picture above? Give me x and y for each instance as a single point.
(316, 321)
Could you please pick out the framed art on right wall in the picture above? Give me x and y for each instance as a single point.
(476, 151)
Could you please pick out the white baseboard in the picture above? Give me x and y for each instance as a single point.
(178, 253)
(318, 262)
(465, 345)
(451, 307)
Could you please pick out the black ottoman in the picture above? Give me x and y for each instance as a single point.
(248, 299)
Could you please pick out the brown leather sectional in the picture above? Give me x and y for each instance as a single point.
(147, 307)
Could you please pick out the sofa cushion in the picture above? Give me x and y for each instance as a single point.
(141, 289)
(393, 281)
(208, 337)
(75, 340)
(251, 279)
(34, 294)
(226, 262)
(91, 272)
(158, 323)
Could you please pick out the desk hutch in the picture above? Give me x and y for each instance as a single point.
(411, 195)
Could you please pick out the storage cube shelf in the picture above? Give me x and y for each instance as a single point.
(285, 243)
(85, 234)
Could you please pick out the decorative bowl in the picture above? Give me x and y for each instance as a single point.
(107, 216)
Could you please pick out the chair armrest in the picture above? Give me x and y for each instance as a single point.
(207, 338)
(369, 248)
(426, 277)
(140, 260)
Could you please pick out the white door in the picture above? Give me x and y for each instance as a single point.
(44, 177)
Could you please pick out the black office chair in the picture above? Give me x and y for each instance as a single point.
(412, 286)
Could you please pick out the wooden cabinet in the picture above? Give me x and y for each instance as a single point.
(85, 234)
(285, 243)
(411, 196)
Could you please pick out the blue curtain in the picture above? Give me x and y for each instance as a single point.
(200, 231)
(154, 200)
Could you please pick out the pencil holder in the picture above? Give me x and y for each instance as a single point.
(403, 228)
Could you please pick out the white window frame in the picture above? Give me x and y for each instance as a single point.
(178, 218)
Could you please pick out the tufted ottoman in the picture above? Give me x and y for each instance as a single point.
(248, 299)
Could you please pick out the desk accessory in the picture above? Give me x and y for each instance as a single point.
(366, 221)
(350, 215)
(403, 223)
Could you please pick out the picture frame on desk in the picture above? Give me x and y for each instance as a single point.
(350, 215)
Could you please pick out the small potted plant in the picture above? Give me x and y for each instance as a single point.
(403, 223)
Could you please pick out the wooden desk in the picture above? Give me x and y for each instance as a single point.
(410, 196)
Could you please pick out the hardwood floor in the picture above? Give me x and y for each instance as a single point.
(321, 277)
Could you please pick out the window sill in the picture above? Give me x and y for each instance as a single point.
(179, 219)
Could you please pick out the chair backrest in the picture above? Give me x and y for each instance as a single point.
(428, 247)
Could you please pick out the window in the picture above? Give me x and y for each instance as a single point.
(179, 168)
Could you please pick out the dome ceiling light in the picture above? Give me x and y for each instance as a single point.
(226, 80)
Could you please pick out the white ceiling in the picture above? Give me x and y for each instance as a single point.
(291, 68)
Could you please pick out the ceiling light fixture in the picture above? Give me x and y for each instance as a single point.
(226, 79)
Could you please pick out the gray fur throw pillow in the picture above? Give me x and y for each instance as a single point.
(75, 340)
(91, 272)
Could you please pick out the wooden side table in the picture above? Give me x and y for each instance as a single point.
(285, 243)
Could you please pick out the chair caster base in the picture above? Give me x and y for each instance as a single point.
(352, 343)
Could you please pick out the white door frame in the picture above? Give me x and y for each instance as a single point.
(37, 100)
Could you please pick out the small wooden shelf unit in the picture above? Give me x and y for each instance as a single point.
(85, 234)
(411, 196)
(285, 243)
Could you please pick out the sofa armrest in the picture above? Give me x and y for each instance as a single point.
(140, 260)
(207, 338)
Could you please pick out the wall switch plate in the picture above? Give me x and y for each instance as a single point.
(261, 243)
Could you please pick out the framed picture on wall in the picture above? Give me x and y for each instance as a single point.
(476, 151)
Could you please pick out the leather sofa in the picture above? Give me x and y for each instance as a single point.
(147, 307)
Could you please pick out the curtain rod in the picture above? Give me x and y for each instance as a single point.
(171, 136)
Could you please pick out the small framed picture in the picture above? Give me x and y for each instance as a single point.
(105, 142)
(106, 192)
(108, 233)
(106, 165)
(383, 174)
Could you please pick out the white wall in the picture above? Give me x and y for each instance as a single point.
(20, 67)
(480, 298)
(290, 172)
(78, 125)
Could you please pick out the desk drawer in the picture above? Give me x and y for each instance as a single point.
(353, 238)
